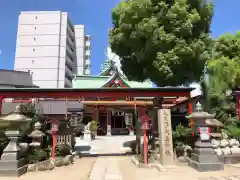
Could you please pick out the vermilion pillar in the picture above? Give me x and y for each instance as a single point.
(1, 103)
(190, 110)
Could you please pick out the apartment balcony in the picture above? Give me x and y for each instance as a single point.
(68, 72)
(87, 52)
(87, 57)
(87, 71)
(68, 62)
(70, 42)
(88, 62)
(70, 52)
(88, 43)
(67, 83)
(70, 33)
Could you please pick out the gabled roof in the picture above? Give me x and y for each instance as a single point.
(116, 79)
(108, 67)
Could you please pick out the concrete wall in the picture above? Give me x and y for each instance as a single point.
(45, 48)
(46, 107)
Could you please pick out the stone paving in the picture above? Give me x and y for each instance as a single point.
(80, 170)
(104, 145)
(121, 168)
(131, 172)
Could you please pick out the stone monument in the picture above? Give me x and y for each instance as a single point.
(203, 158)
(11, 164)
(165, 137)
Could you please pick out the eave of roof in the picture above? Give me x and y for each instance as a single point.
(156, 89)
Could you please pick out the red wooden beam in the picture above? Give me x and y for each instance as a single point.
(76, 94)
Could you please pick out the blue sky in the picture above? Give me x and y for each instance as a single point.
(96, 16)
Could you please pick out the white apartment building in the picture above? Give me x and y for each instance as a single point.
(83, 52)
(49, 48)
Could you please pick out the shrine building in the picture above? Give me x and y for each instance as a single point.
(109, 98)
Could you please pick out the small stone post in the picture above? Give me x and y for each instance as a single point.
(36, 136)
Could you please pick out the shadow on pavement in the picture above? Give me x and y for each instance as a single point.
(107, 155)
(82, 148)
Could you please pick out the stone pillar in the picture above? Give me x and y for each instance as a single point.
(165, 137)
(109, 122)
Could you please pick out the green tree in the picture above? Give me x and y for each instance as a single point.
(166, 41)
(223, 76)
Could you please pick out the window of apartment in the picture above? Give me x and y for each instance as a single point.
(70, 68)
(35, 28)
(34, 39)
(33, 49)
(36, 17)
(32, 61)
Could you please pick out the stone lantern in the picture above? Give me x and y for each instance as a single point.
(203, 157)
(36, 136)
(11, 164)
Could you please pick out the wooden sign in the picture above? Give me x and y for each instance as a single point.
(118, 113)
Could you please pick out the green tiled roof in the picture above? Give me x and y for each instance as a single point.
(87, 81)
(100, 81)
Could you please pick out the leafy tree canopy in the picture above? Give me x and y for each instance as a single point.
(224, 75)
(165, 41)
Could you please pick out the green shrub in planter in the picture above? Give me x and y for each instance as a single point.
(37, 155)
(63, 150)
(3, 142)
(94, 128)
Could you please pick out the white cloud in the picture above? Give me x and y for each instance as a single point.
(1, 52)
(115, 58)
(197, 90)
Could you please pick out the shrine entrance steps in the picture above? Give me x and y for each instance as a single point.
(104, 146)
